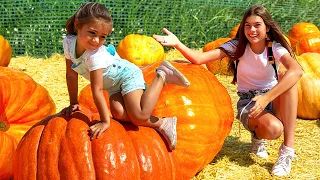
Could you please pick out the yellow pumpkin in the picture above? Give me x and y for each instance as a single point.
(5, 52)
(219, 66)
(308, 86)
(140, 49)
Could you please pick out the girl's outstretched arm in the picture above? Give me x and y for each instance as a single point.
(96, 80)
(193, 56)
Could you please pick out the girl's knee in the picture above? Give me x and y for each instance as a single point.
(271, 129)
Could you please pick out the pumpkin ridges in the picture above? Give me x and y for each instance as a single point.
(308, 93)
(49, 148)
(115, 141)
(75, 159)
(35, 109)
(25, 166)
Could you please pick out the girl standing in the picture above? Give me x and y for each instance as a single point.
(267, 104)
(86, 55)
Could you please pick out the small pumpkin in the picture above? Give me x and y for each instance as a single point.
(61, 147)
(140, 49)
(299, 30)
(234, 31)
(23, 103)
(5, 52)
(219, 66)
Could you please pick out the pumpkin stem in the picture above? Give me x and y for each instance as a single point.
(3, 126)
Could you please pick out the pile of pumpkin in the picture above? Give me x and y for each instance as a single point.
(37, 143)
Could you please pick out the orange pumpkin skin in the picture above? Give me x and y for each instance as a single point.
(308, 43)
(308, 86)
(299, 30)
(204, 112)
(23, 102)
(140, 49)
(217, 66)
(59, 147)
(234, 31)
(5, 52)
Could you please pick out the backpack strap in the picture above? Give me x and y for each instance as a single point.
(271, 58)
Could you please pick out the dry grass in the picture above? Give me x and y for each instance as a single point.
(233, 161)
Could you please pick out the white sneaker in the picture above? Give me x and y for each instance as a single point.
(168, 129)
(258, 147)
(283, 164)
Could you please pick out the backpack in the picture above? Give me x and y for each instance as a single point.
(270, 58)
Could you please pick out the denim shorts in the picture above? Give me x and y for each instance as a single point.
(245, 104)
(122, 76)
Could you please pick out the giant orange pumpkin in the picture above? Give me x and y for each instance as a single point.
(23, 102)
(308, 43)
(60, 147)
(299, 30)
(219, 66)
(140, 49)
(5, 52)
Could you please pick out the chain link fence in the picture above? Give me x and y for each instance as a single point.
(37, 27)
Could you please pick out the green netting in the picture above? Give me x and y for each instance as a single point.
(36, 27)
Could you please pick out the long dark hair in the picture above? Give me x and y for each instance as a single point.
(275, 34)
(86, 13)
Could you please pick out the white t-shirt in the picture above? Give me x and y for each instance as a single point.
(91, 60)
(254, 72)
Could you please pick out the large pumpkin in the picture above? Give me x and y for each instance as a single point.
(299, 30)
(23, 102)
(61, 147)
(308, 86)
(308, 43)
(219, 66)
(5, 52)
(140, 49)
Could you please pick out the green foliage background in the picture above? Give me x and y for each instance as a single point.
(36, 27)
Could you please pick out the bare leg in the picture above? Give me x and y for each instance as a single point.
(288, 113)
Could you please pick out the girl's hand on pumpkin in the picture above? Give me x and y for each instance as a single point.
(169, 40)
(98, 128)
(258, 108)
(68, 110)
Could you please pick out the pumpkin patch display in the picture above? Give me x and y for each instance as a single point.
(61, 147)
(219, 66)
(23, 103)
(300, 30)
(140, 49)
(5, 52)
